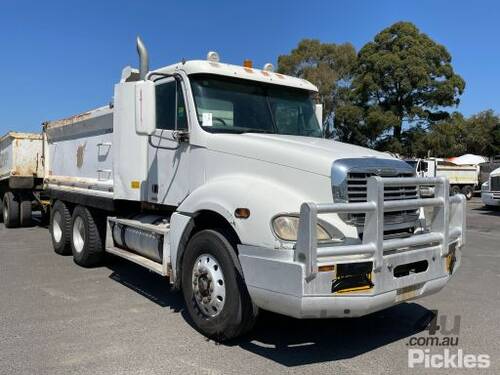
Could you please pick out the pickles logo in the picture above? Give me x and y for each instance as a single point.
(443, 333)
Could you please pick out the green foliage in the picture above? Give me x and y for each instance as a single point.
(394, 94)
(478, 134)
(405, 73)
(327, 65)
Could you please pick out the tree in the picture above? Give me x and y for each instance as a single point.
(327, 65)
(482, 135)
(405, 77)
(446, 138)
(478, 134)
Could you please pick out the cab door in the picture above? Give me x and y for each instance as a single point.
(168, 157)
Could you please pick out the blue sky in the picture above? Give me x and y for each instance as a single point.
(63, 57)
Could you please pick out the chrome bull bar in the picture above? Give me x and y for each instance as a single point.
(447, 223)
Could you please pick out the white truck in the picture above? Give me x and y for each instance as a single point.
(21, 177)
(217, 176)
(462, 178)
(490, 190)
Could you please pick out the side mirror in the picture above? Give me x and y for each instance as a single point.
(319, 114)
(145, 108)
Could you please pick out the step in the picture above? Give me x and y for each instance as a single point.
(138, 259)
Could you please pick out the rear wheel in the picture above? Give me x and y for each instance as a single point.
(214, 290)
(86, 239)
(60, 228)
(468, 192)
(25, 211)
(455, 189)
(10, 210)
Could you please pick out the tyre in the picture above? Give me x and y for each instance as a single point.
(1, 209)
(25, 212)
(10, 210)
(468, 192)
(216, 297)
(455, 189)
(86, 237)
(60, 228)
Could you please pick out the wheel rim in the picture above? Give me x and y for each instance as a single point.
(57, 226)
(209, 286)
(78, 234)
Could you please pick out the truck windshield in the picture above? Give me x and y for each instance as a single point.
(227, 105)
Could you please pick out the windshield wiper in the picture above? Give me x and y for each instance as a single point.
(258, 131)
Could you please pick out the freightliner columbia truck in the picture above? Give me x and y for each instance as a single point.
(218, 177)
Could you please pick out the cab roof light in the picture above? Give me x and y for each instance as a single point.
(268, 67)
(213, 56)
(248, 63)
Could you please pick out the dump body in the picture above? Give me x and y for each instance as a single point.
(21, 157)
(459, 174)
(79, 153)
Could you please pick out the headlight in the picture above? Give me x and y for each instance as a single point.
(485, 186)
(287, 229)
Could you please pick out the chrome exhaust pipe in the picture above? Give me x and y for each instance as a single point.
(143, 58)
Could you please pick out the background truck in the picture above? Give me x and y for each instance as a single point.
(218, 177)
(21, 176)
(462, 178)
(490, 190)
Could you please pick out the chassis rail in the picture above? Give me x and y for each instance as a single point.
(447, 223)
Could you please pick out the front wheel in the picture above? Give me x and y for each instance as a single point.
(214, 290)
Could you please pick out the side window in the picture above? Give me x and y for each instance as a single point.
(170, 108)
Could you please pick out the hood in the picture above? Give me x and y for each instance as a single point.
(306, 153)
(495, 173)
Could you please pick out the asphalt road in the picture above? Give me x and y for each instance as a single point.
(58, 318)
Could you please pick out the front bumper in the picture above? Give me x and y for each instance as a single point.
(490, 198)
(298, 282)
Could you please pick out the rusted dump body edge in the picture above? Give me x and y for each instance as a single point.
(90, 184)
(79, 117)
(19, 135)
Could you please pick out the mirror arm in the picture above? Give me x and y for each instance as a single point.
(180, 135)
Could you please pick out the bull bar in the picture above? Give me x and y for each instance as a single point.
(447, 223)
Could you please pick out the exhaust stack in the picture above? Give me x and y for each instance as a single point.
(143, 58)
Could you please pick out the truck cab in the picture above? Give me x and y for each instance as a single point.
(490, 190)
(218, 177)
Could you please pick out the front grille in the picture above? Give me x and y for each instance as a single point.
(495, 183)
(356, 192)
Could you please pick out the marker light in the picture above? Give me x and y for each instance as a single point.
(268, 67)
(213, 56)
(247, 63)
(242, 213)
